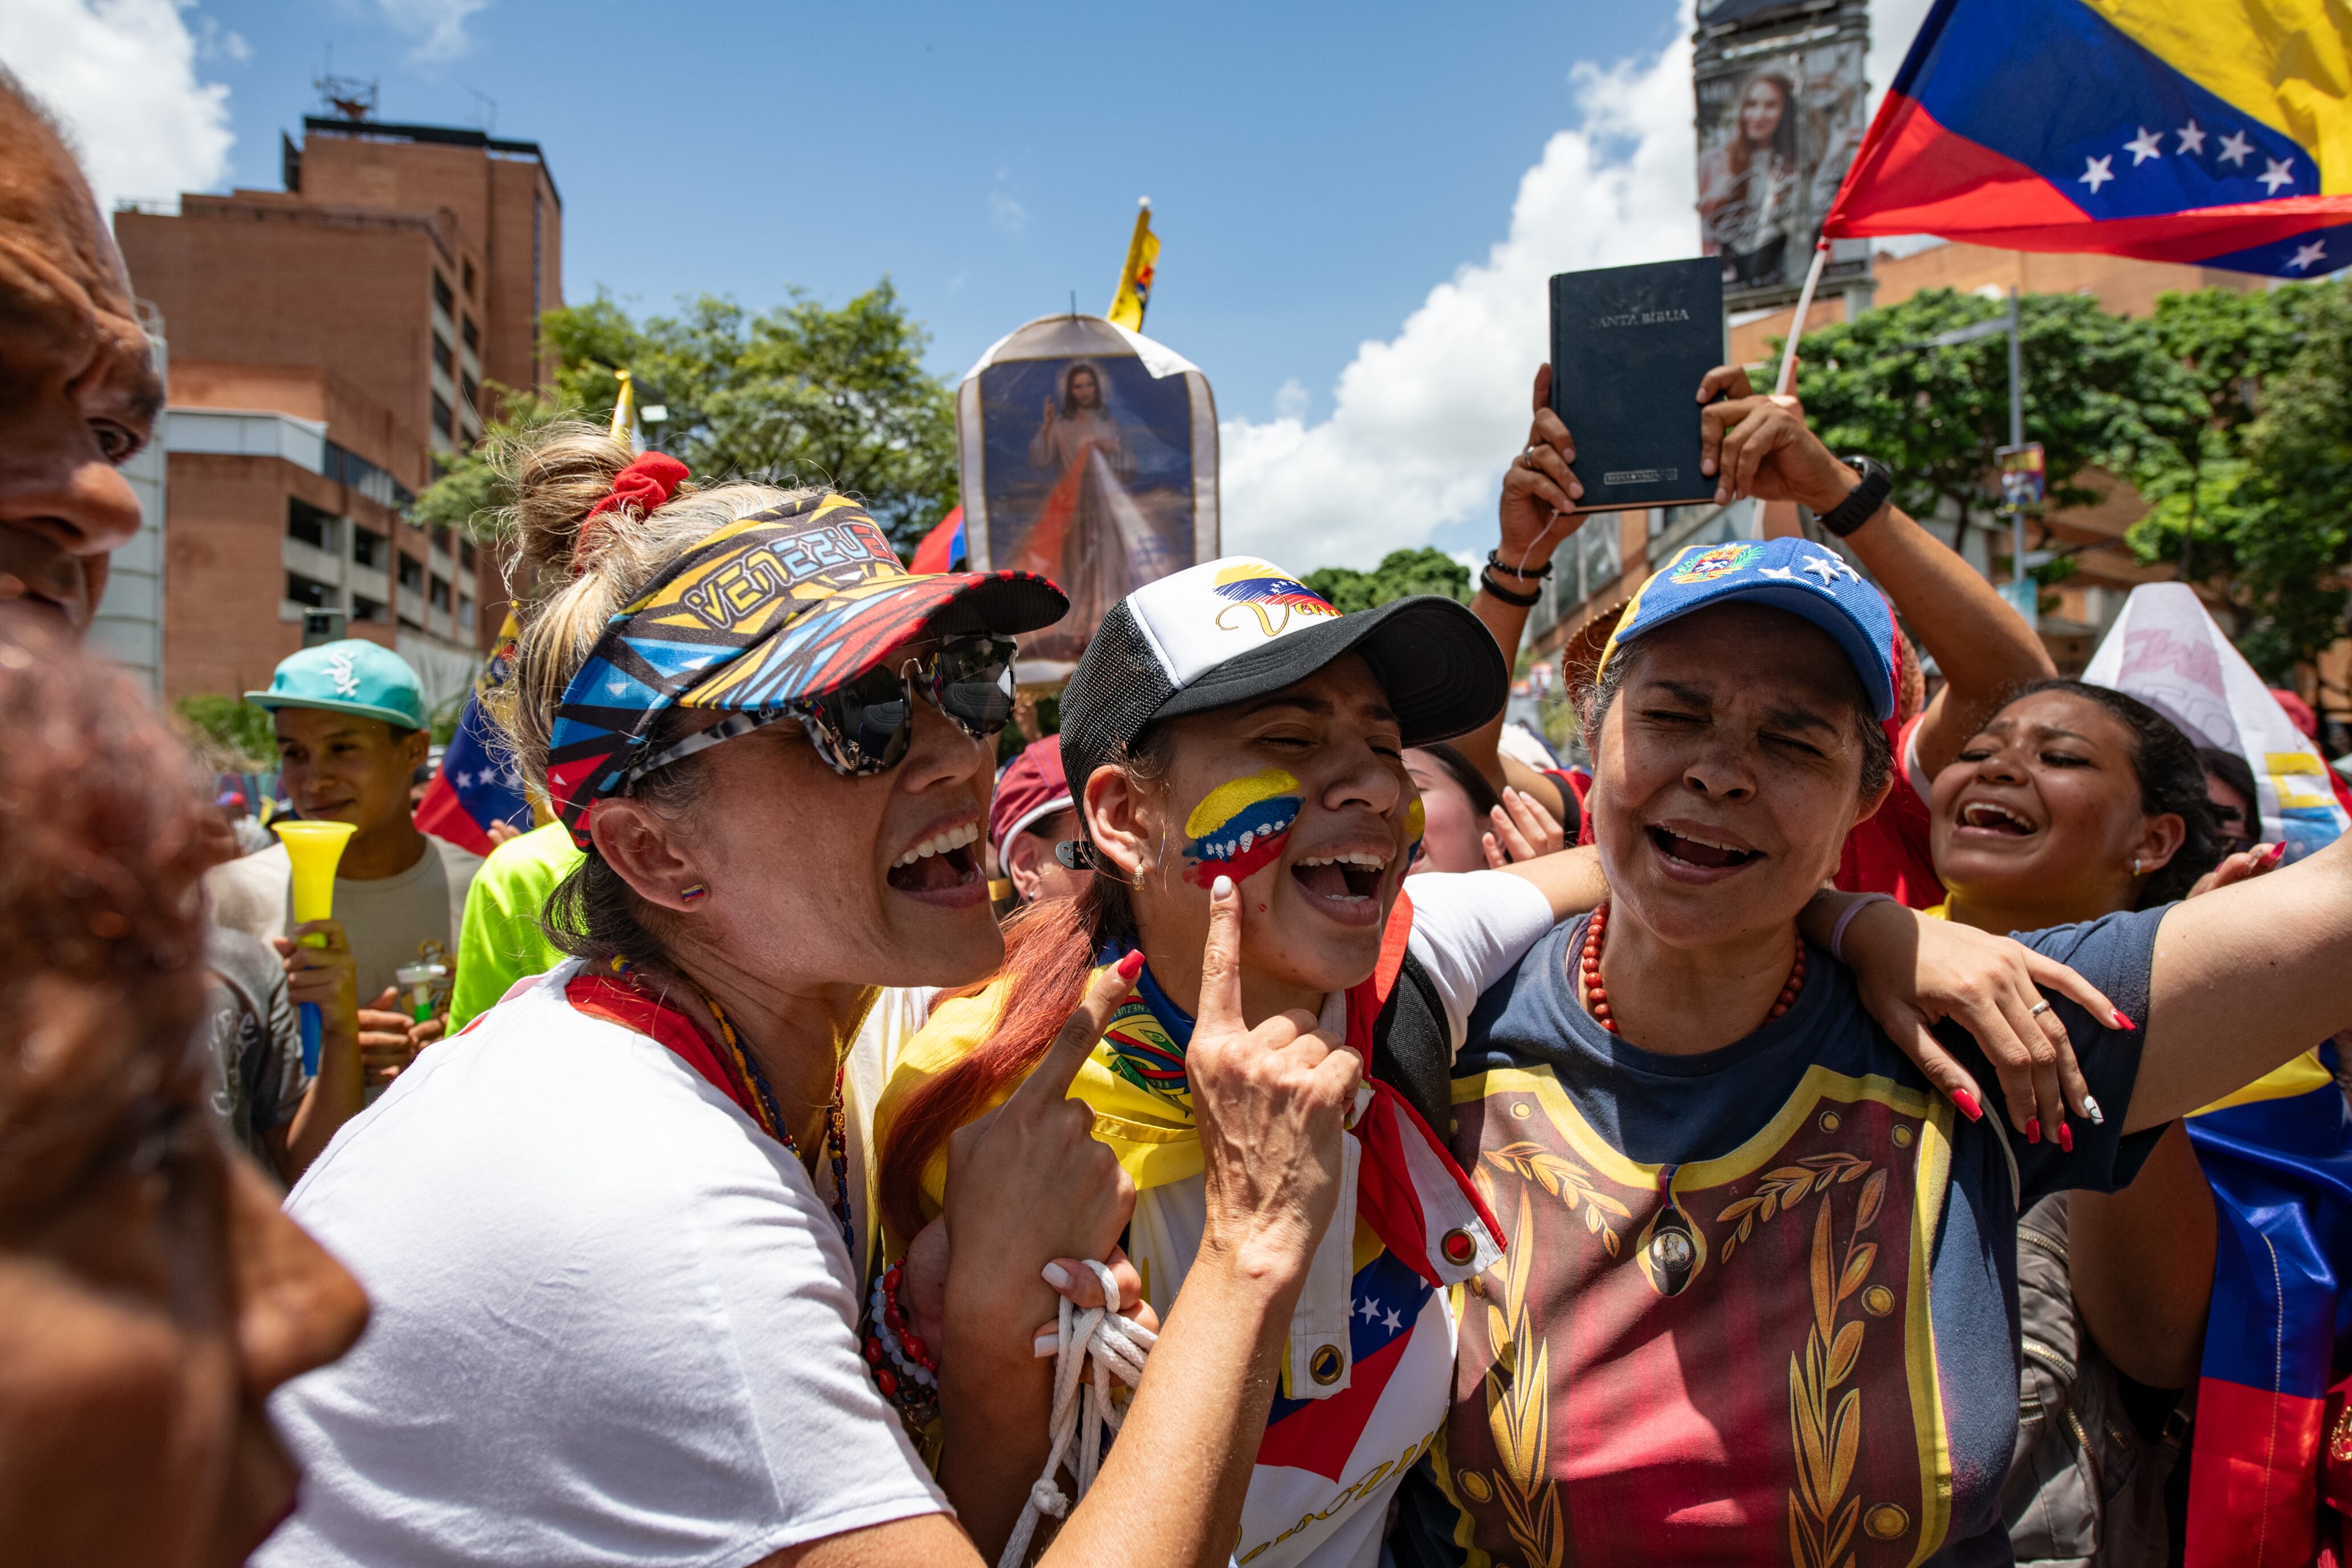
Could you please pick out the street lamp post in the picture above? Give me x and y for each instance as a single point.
(2013, 500)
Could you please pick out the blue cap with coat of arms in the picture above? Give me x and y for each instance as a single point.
(1792, 574)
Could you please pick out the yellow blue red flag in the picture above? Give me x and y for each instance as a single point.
(1127, 306)
(2215, 132)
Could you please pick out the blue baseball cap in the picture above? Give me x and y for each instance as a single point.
(1792, 574)
(353, 676)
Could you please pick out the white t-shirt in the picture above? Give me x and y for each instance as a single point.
(1319, 1493)
(613, 1322)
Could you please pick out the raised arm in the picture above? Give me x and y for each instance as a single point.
(1984, 648)
(2244, 978)
(1538, 511)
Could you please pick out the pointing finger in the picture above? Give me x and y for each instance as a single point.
(1221, 959)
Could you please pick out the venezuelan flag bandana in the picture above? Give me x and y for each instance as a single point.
(778, 606)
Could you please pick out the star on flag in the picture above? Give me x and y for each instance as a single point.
(2144, 147)
(2192, 139)
(2096, 172)
(2236, 148)
(2305, 255)
(2276, 175)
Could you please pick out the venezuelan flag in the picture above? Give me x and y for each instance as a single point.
(2215, 132)
(477, 784)
(2264, 1464)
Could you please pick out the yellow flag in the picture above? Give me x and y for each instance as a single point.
(624, 415)
(1135, 278)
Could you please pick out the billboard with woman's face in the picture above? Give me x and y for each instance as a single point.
(1082, 464)
(1777, 131)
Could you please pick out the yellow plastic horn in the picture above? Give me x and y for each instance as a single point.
(316, 848)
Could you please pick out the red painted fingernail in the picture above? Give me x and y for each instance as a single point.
(1131, 966)
(2278, 852)
(2122, 1022)
(2034, 1131)
(2066, 1137)
(1967, 1104)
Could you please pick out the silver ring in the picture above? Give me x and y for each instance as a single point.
(2037, 1009)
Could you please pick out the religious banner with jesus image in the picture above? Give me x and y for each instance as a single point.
(1089, 456)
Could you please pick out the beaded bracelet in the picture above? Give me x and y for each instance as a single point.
(911, 1380)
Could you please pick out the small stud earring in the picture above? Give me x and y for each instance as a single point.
(699, 890)
(2135, 864)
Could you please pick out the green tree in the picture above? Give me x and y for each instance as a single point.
(1400, 574)
(238, 734)
(470, 491)
(801, 394)
(2097, 389)
(2254, 498)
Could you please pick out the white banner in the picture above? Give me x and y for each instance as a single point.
(2167, 650)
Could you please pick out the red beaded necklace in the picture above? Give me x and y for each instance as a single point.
(1596, 995)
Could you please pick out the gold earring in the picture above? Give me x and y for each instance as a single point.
(2135, 865)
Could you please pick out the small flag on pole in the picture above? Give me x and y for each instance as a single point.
(625, 430)
(1134, 293)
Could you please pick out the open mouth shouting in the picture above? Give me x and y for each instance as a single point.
(1689, 852)
(941, 866)
(1345, 884)
(1990, 818)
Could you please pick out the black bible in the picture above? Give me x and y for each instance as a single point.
(1629, 346)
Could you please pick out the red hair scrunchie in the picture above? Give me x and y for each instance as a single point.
(644, 485)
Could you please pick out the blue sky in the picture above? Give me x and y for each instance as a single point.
(1359, 206)
(1312, 173)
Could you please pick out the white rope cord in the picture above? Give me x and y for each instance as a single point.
(1116, 1345)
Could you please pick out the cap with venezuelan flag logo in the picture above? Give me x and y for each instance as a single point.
(1229, 630)
(1792, 574)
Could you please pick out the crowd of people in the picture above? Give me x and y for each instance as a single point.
(1272, 1120)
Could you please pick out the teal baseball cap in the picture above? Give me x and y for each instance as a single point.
(353, 676)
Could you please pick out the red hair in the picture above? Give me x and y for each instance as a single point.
(1049, 951)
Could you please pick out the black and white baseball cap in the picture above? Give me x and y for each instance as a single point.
(1232, 629)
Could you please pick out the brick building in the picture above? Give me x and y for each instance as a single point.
(327, 341)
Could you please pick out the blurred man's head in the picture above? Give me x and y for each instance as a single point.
(79, 392)
(1031, 813)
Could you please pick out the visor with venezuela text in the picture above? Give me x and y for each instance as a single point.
(775, 608)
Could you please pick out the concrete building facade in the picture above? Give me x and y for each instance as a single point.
(328, 342)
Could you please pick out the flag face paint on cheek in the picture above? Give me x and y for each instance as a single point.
(1240, 826)
(1416, 826)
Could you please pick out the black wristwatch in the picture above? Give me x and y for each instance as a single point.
(1859, 506)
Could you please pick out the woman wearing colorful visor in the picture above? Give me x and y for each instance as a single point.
(1759, 1302)
(1238, 748)
(607, 1231)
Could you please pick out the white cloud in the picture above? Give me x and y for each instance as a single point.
(1422, 424)
(122, 74)
(1005, 212)
(438, 26)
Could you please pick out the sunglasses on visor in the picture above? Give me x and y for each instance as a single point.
(863, 726)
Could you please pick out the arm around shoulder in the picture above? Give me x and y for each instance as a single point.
(2242, 979)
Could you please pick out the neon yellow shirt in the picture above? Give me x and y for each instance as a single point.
(499, 941)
